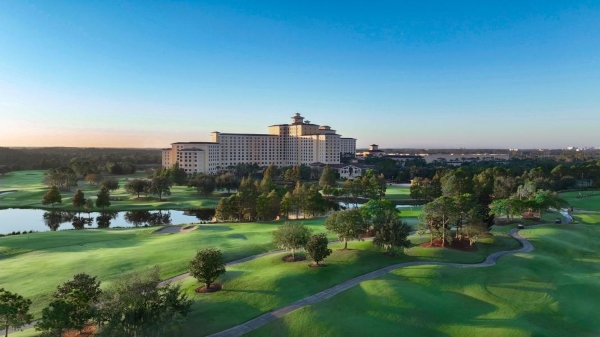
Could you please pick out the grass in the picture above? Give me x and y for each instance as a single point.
(549, 292)
(262, 285)
(34, 264)
(251, 288)
(587, 203)
(31, 189)
(397, 192)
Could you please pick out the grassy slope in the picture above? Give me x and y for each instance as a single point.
(265, 284)
(34, 264)
(549, 292)
(397, 192)
(587, 203)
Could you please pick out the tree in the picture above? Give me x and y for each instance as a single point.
(52, 197)
(203, 183)
(89, 205)
(274, 204)
(227, 209)
(504, 187)
(327, 177)
(263, 207)
(61, 315)
(287, 204)
(103, 198)
(347, 225)
(178, 175)
(376, 212)
(88, 285)
(139, 305)
(456, 182)
(78, 199)
(392, 234)
(111, 184)
(227, 180)
(247, 195)
(315, 203)
(267, 184)
(316, 248)
(74, 305)
(207, 266)
(137, 186)
(93, 178)
(160, 186)
(436, 217)
(291, 236)
(14, 310)
(62, 177)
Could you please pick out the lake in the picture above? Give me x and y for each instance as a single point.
(12, 220)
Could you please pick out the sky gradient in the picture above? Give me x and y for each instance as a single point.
(473, 74)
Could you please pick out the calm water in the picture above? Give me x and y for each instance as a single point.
(40, 220)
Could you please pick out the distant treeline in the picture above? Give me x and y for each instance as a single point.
(16, 159)
(556, 154)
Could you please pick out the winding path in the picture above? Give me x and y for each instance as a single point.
(325, 294)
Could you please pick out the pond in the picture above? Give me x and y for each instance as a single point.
(13, 220)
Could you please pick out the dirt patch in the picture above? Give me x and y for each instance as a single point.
(289, 258)
(213, 287)
(88, 330)
(462, 244)
(320, 265)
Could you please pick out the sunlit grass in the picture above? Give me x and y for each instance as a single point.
(548, 292)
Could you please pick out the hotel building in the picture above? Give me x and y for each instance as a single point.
(299, 142)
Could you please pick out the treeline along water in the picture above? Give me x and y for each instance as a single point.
(24, 220)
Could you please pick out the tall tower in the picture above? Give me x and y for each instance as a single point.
(297, 119)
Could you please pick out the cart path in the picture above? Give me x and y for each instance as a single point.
(325, 294)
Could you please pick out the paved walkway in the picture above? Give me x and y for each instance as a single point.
(325, 294)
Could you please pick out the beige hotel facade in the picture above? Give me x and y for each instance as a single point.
(299, 142)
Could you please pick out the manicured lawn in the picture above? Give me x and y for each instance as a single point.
(549, 292)
(397, 192)
(265, 284)
(588, 203)
(34, 264)
(31, 189)
(262, 284)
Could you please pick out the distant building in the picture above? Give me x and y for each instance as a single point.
(299, 142)
(351, 171)
(373, 151)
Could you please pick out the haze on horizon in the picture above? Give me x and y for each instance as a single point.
(437, 74)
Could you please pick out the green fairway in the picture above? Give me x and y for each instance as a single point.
(549, 292)
(397, 192)
(265, 284)
(30, 190)
(591, 203)
(34, 264)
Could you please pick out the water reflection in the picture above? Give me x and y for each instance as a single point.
(79, 222)
(53, 219)
(202, 214)
(145, 218)
(103, 220)
(13, 220)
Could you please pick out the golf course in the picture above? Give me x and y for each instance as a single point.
(545, 291)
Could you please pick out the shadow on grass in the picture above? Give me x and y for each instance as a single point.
(216, 228)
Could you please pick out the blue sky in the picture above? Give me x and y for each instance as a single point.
(501, 74)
